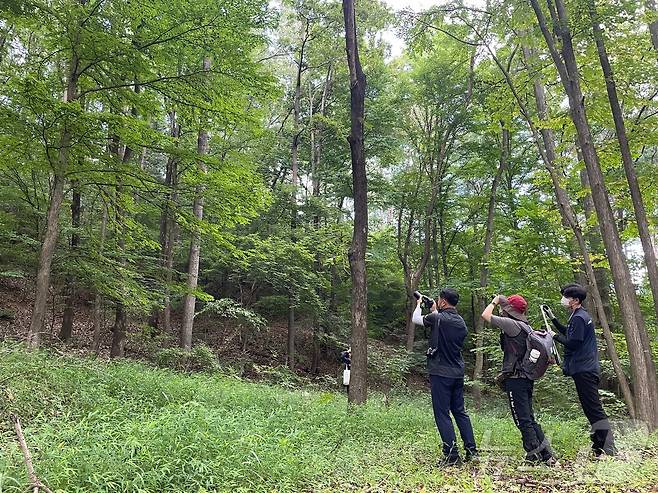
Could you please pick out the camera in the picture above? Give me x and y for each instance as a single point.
(427, 301)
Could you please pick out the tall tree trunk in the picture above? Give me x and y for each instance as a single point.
(593, 238)
(121, 315)
(637, 339)
(98, 315)
(195, 244)
(294, 166)
(627, 159)
(358, 391)
(52, 222)
(66, 330)
(484, 265)
(316, 135)
(162, 319)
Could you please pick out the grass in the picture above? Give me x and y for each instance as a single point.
(97, 426)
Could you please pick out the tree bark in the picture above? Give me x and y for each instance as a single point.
(358, 389)
(52, 222)
(637, 339)
(484, 265)
(66, 331)
(627, 159)
(195, 244)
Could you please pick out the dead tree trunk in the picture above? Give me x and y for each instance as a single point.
(484, 265)
(195, 244)
(358, 391)
(637, 339)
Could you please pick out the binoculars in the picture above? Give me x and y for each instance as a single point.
(427, 301)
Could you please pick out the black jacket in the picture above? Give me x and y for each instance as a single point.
(579, 339)
(448, 331)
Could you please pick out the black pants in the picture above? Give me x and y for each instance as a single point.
(587, 386)
(448, 397)
(519, 393)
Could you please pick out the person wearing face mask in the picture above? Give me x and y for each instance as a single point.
(513, 325)
(581, 362)
(445, 366)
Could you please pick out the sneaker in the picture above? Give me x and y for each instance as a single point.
(450, 461)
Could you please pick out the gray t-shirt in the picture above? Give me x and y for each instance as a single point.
(509, 326)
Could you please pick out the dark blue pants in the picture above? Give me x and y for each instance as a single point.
(448, 397)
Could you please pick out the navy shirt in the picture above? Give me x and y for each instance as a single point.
(448, 331)
(580, 351)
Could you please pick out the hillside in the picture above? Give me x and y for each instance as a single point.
(120, 426)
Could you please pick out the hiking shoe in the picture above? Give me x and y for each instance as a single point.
(552, 462)
(450, 461)
(537, 460)
(472, 456)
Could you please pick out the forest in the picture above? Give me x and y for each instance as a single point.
(203, 203)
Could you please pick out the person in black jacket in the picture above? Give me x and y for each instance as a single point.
(581, 362)
(445, 366)
(513, 325)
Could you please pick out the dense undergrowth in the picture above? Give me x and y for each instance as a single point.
(98, 426)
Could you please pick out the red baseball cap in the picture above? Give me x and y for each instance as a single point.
(515, 306)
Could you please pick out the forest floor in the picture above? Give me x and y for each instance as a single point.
(123, 426)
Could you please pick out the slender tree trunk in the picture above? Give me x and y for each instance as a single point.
(294, 166)
(98, 315)
(168, 232)
(121, 315)
(570, 219)
(195, 244)
(627, 159)
(358, 391)
(484, 265)
(66, 331)
(637, 339)
(593, 237)
(52, 222)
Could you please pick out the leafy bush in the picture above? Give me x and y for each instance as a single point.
(200, 358)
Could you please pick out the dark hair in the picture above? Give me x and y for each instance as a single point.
(574, 291)
(450, 295)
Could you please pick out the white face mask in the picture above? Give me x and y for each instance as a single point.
(565, 302)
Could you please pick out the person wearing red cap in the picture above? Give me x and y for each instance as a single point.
(513, 325)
